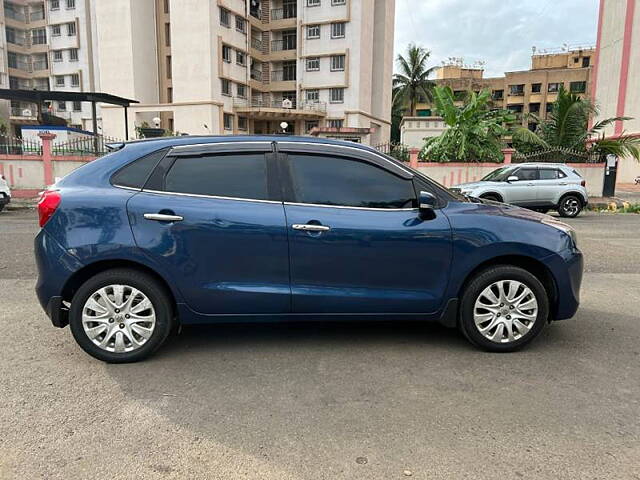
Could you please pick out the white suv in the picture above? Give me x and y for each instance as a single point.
(538, 186)
(5, 192)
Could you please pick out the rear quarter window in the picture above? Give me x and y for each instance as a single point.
(135, 174)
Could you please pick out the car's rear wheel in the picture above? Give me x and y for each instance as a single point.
(121, 315)
(570, 206)
(503, 308)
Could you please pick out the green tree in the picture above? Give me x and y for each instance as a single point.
(474, 130)
(567, 128)
(411, 85)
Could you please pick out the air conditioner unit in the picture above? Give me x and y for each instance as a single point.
(26, 112)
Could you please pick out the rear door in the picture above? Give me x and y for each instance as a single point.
(357, 243)
(550, 185)
(212, 219)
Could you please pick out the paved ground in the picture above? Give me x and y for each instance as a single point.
(332, 401)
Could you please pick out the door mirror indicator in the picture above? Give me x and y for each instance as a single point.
(427, 203)
(512, 178)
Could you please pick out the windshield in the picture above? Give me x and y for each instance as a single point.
(499, 175)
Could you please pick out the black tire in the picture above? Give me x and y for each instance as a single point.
(479, 283)
(149, 286)
(570, 206)
(492, 197)
(2, 206)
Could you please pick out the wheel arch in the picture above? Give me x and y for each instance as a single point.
(88, 271)
(492, 193)
(575, 193)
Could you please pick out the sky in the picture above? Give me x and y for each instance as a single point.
(498, 32)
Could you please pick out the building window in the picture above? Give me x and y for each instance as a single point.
(549, 107)
(337, 63)
(554, 87)
(338, 2)
(337, 95)
(54, 5)
(166, 6)
(226, 53)
(313, 64)
(169, 95)
(77, 106)
(578, 87)
(57, 55)
(586, 61)
(55, 30)
(534, 108)
(169, 67)
(313, 31)
(71, 4)
(337, 30)
(39, 36)
(167, 34)
(536, 87)
(228, 121)
(59, 80)
(73, 54)
(310, 125)
(313, 3)
(242, 123)
(71, 29)
(224, 17)
(496, 95)
(241, 90)
(313, 96)
(335, 123)
(241, 58)
(62, 106)
(241, 25)
(75, 80)
(516, 90)
(226, 87)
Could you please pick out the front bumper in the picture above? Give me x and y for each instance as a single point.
(567, 268)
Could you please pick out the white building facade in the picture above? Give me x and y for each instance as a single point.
(323, 67)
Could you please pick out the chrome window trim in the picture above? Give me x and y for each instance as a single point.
(296, 204)
(182, 148)
(215, 197)
(401, 167)
(127, 188)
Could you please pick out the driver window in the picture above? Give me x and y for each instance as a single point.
(527, 174)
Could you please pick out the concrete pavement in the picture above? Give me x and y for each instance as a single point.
(329, 401)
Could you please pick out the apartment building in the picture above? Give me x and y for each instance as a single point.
(320, 67)
(527, 91)
(50, 45)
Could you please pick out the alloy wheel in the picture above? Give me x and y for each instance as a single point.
(571, 207)
(118, 318)
(505, 311)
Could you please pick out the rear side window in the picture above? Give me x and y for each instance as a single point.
(328, 180)
(550, 174)
(237, 176)
(136, 173)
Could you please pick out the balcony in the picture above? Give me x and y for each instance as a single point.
(283, 45)
(288, 75)
(287, 11)
(256, 74)
(272, 108)
(37, 15)
(256, 43)
(40, 65)
(14, 14)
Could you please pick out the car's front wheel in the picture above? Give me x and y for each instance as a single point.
(121, 315)
(570, 206)
(503, 308)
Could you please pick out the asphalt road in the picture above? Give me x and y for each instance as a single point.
(364, 401)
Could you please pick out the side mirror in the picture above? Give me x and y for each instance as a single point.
(427, 203)
(512, 178)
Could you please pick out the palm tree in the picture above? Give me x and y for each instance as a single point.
(567, 129)
(412, 85)
(474, 130)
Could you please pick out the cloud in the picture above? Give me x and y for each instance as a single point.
(498, 32)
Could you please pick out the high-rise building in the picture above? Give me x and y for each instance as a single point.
(321, 67)
(525, 91)
(50, 45)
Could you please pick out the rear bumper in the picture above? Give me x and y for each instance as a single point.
(4, 199)
(55, 267)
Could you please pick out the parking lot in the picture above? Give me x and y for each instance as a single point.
(330, 401)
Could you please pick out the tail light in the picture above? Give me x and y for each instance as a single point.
(47, 205)
(583, 183)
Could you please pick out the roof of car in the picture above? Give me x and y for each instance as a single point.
(199, 139)
(540, 164)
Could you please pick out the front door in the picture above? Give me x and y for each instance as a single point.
(522, 191)
(357, 244)
(215, 227)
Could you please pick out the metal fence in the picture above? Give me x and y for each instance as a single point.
(84, 146)
(396, 150)
(18, 146)
(558, 155)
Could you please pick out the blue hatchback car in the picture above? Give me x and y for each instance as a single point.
(196, 230)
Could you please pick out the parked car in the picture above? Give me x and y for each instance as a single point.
(5, 192)
(538, 186)
(242, 229)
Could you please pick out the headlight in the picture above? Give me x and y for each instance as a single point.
(552, 222)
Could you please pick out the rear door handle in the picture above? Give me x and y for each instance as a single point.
(563, 183)
(531, 184)
(310, 228)
(161, 217)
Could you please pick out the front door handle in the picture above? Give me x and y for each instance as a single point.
(310, 228)
(531, 184)
(162, 217)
